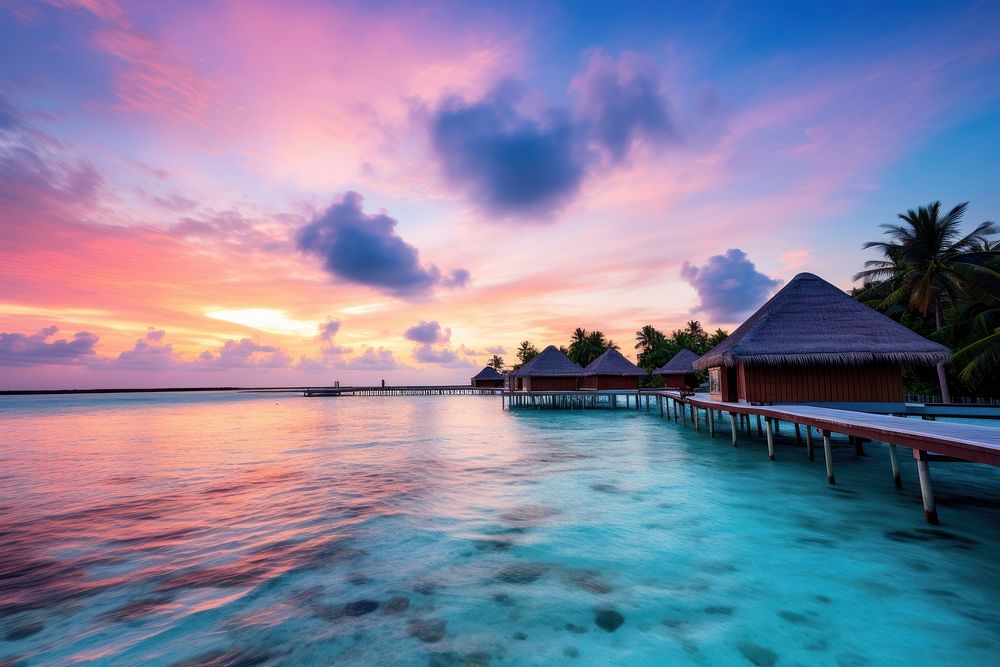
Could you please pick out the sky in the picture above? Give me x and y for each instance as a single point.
(292, 193)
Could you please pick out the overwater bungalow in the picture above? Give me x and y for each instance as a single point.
(488, 377)
(679, 372)
(611, 370)
(812, 342)
(551, 370)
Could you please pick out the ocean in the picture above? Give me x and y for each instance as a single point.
(228, 528)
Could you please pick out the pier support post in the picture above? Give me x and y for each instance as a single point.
(926, 491)
(828, 455)
(798, 433)
(684, 416)
(894, 460)
(859, 446)
(770, 439)
(760, 429)
(809, 443)
(696, 417)
(732, 426)
(711, 422)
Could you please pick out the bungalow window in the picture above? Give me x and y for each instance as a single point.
(714, 381)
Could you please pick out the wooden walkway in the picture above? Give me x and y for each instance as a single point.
(415, 390)
(930, 440)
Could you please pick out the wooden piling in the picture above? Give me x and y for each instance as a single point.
(926, 491)
(711, 423)
(732, 426)
(770, 439)
(894, 460)
(809, 443)
(828, 455)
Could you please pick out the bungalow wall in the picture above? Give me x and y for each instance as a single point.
(815, 384)
(550, 383)
(677, 381)
(487, 383)
(609, 382)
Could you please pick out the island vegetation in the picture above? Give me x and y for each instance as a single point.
(945, 285)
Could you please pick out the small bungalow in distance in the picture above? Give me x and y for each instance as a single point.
(611, 370)
(813, 343)
(679, 373)
(551, 370)
(488, 377)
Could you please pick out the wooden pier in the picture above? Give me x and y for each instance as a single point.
(416, 390)
(930, 440)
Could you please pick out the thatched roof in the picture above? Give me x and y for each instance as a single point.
(680, 364)
(612, 363)
(810, 321)
(488, 373)
(550, 362)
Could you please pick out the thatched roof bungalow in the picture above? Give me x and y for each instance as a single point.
(679, 372)
(488, 377)
(812, 342)
(551, 370)
(611, 370)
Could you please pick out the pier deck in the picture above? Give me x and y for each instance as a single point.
(414, 390)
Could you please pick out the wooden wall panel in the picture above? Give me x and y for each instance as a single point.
(831, 384)
(565, 383)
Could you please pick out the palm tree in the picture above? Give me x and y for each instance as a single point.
(526, 351)
(924, 267)
(980, 359)
(648, 337)
(496, 363)
(695, 329)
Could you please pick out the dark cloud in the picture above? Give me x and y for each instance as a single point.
(457, 278)
(729, 286)
(522, 163)
(441, 356)
(428, 332)
(366, 249)
(148, 353)
(17, 349)
(620, 102)
(370, 359)
(496, 349)
(328, 329)
(244, 353)
(512, 163)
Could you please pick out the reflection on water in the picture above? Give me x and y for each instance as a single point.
(262, 529)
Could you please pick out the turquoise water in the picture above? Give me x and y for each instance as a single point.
(271, 529)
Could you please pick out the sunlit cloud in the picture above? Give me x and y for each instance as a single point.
(266, 319)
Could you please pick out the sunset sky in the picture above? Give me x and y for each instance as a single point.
(274, 193)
